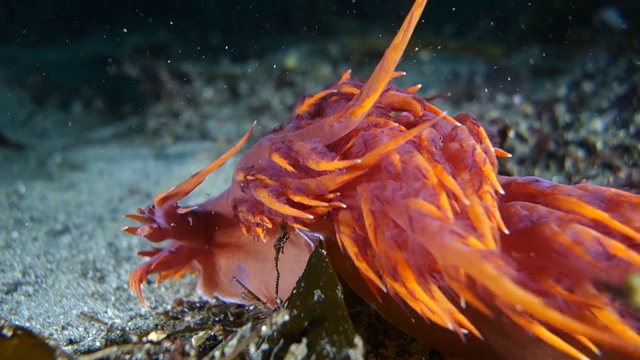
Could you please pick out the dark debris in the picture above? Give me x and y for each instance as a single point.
(18, 342)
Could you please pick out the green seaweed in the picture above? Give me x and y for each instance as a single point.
(312, 324)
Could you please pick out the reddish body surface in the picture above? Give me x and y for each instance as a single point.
(416, 219)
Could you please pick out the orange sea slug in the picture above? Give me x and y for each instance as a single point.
(409, 206)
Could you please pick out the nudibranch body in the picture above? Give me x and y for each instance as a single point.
(414, 216)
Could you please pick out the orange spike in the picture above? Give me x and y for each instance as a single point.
(480, 221)
(345, 77)
(491, 276)
(329, 165)
(501, 153)
(263, 195)
(346, 231)
(311, 100)
(183, 189)
(349, 89)
(412, 90)
(398, 100)
(138, 275)
(376, 154)
(330, 130)
(305, 200)
(544, 334)
(576, 206)
(586, 342)
(427, 208)
(139, 218)
(385, 70)
(433, 109)
(129, 229)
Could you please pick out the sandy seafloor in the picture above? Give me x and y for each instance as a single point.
(63, 258)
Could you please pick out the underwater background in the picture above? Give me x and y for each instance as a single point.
(104, 104)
